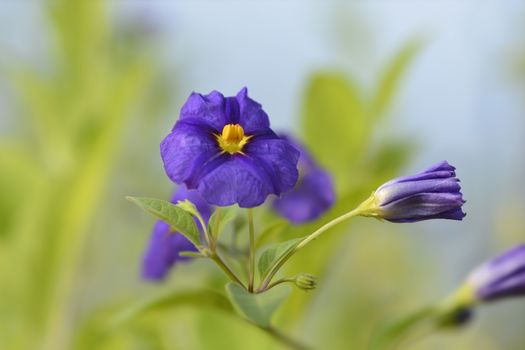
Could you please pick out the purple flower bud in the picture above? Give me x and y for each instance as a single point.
(313, 194)
(431, 194)
(165, 245)
(503, 276)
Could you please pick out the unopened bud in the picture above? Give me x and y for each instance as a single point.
(306, 281)
(432, 194)
(188, 206)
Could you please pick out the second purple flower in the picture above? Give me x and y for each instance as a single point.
(312, 196)
(165, 245)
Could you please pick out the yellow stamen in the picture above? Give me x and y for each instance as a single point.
(232, 139)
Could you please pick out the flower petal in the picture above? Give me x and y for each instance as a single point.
(512, 286)
(439, 166)
(235, 180)
(163, 251)
(252, 117)
(437, 171)
(393, 192)
(422, 176)
(424, 206)
(186, 148)
(207, 108)
(501, 276)
(312, 196)
(279, 158)
(165, 245)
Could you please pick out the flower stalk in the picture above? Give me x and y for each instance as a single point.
(266, 283)
(252, 251)
(217, 259)
(452, 312)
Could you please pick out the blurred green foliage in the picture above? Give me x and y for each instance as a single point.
(340, 122)
(57, 210)
(74, 114)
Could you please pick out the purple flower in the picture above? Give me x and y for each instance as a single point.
(312, 195)
(503, 276)
(165, 245)
(431, 194)
(224, 148)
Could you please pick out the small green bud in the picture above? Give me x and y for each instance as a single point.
(188, 206)
(306, 281)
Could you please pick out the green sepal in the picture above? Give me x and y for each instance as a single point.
(179, 219)
(257, 308)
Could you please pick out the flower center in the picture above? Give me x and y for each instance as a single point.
(232, 139)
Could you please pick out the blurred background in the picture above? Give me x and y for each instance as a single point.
(88, 88)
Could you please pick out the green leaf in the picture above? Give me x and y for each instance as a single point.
(257, 308)
(219, 219)
(171, 300)
(389, 158)
(274, 253)
(270, 231)
(391, 78)
(180, 220)
(335, 122)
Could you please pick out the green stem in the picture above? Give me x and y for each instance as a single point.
(252, 251)
(304, 242)
(210, 242)
(326, 227)
(213, 239)
(276, 283)
(217, 259)
(395, 333)
(447, 314)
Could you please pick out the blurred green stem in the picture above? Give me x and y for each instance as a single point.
(395, 333)
(252, 251)
(454, 311)
(266, 283)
